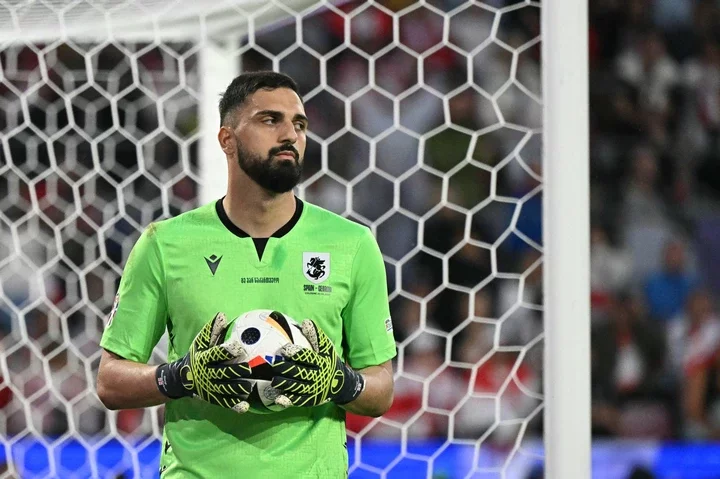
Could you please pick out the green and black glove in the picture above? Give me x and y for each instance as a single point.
(311, 377)
(210, 371)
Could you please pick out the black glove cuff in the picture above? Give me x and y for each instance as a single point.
(353, 385)
(167, 378)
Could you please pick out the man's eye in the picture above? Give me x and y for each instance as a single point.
(300, 126)
(269, 121)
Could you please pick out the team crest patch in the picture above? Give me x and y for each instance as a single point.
(316, 267)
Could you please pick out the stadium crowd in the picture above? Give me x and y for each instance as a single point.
(655, 188)
(655, 147)
(655, 87)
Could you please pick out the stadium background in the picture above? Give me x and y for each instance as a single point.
(655, 147)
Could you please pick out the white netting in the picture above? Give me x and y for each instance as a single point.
(123, 20)
(425, 125)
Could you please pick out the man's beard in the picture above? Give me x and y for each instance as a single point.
(276, 175)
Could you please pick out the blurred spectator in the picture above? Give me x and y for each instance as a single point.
(628, 355)
(667, 290)
(643, 204)
(702, 134)
(647, 67)
(694, 340)
(702, 80)
(610, 269)
(646, 224)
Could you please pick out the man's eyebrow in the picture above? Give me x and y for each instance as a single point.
(300, 116)
(269, 113)
(279, 114)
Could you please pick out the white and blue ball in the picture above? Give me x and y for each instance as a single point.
(262, 333)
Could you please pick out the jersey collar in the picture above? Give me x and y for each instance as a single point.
(234, 229)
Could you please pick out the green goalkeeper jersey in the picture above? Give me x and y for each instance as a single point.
(182, 271)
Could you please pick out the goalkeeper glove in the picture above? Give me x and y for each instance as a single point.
(206, 371)
(310, 377)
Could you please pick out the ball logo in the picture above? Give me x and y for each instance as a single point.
(273, 359)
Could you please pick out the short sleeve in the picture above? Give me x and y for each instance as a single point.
(139, 315)
(367, 327)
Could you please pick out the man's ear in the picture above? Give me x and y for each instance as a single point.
(226, 138)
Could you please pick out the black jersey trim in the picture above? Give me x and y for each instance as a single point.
(237, 231)
(293, 221)
(260, 244)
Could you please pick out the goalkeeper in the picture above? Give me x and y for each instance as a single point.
(258, 247)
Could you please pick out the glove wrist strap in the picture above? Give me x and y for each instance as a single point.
(353, 386)
(167, 378)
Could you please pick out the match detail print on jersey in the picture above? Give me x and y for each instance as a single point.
(316, 267)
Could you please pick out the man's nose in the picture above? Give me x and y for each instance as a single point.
(288, 134)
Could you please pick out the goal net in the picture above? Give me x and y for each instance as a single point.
(425, 125)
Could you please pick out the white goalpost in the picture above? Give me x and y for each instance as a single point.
(567, 226)
(108, 121)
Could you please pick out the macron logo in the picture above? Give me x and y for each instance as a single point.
(213, 262)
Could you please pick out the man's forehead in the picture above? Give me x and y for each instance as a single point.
(280, 99)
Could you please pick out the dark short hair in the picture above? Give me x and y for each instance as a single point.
(248, 83)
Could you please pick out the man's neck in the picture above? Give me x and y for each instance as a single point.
(258, 212)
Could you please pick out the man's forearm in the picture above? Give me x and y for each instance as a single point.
(125, 384)
(377, 396)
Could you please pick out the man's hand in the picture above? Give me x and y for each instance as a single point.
(206, 372)
(310, 377)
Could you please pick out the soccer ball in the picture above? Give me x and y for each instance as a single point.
(262, 333)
